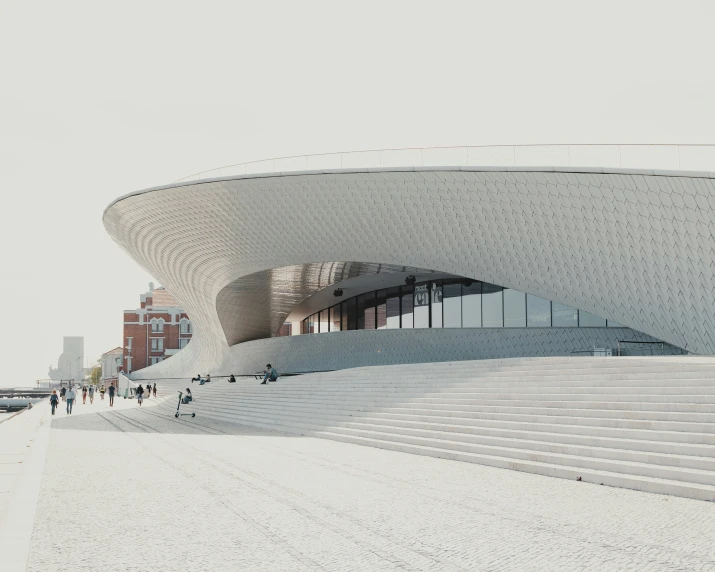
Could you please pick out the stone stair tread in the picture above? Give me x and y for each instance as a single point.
(594, 472)
(522, 441)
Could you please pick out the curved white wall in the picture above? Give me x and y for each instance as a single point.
(635, 248)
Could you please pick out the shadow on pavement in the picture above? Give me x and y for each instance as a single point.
(151, 420)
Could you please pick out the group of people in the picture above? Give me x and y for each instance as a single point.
(140, 391)
(269, 374)
(69, 395)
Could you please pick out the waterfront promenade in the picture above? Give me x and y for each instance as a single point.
(137, 490)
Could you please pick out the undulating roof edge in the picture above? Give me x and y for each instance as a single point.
(486, 169)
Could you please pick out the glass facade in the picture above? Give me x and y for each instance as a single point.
(449, 304)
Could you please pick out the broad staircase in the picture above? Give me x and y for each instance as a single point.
(640, 423)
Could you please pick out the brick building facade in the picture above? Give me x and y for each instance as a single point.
(155, 331)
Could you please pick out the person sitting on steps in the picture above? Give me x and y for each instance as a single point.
(269, 373)
(231, 379)
(188, 397)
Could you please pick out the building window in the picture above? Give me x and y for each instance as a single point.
(462, 303)
(452, 305)
(381, 309)
(492, 306)
(588, 320)
(324, 321)
(514, 309)
(183, 342)
(185, 326)
(421, 305)
(538, 312)
(472, 305)
(129, 344)
(157, 344)
(436, 295)
(157, 325)
(335, 318)
(392, 308)
(156, 360)
(407, 301)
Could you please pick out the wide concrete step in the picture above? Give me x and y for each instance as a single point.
(703, 477)
(451, 425)
(335, 415)
(674, 397)
(608, 478)
(449, 433)
(611, 478)
(512, 376)
(476, 405)
(569, 417)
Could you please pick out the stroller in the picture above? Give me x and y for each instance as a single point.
(179, 405)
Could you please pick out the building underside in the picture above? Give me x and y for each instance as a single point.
(431, 264)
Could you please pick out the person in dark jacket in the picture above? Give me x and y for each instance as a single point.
(54, 401)
(231, 379)
(111, 395)
(140, 394)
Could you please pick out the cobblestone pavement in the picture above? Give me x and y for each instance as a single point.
(133, 490)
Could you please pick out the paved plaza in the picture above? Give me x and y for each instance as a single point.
(136, 490)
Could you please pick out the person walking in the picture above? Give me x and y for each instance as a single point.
(102, 391)
(70, 396)
(63, 390)
(91, 394)
(54, 401)
(270, 374)
(140, 395)
(154, 389)
(84, 394)
(111, 395)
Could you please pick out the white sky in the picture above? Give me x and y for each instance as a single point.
(98, 99)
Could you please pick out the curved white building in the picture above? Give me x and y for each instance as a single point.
(434, 262)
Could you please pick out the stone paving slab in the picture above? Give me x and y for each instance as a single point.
(132, 490)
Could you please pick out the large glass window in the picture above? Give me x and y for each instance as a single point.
(588, 320)
(421, 301)
(514, 309)
(324, 319)
(351, 310)
(381, 309)
(407, 308)
(472, 305)
(452, 305)
(436, 294)
(393, 308)
(335, 318)
(492, 307)
(370, 311)
(538, 312)
(563, 316)
(361, 312)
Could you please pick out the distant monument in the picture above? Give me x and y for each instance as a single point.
(70, 364)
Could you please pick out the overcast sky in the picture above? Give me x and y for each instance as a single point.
(99, 99)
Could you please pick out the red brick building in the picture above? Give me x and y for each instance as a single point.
(155, 331)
